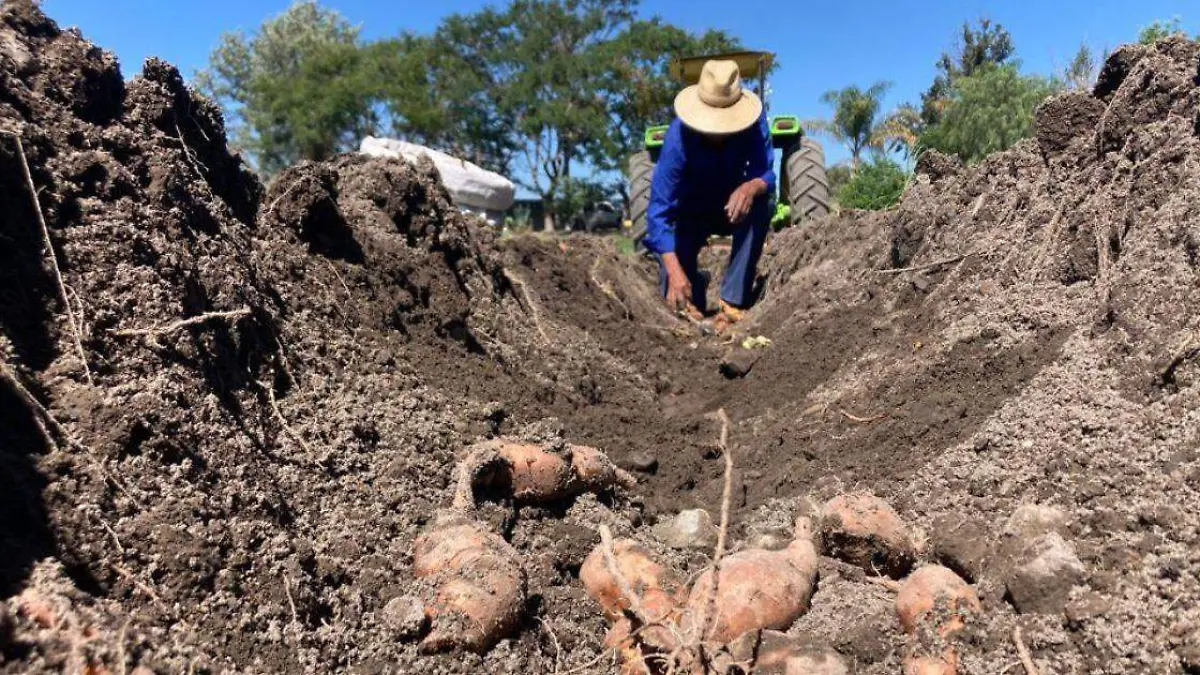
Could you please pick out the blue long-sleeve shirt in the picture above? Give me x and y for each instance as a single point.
(694, 177)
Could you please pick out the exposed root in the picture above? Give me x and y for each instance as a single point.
(58, 278)
(1023, 653)
(141, 586)
(278, 414)
(885, 582)
(862, 420)
(636, 607)
(927, 266)
(706, 621)
(287, 589)
(152, 334)
(194, 162)
(51, 430)
(606, 289)
(528, 297)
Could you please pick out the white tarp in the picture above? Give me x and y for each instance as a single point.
(470, 186)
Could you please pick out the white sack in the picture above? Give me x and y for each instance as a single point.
(470, 186)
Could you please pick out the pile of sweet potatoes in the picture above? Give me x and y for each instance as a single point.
(661, 625)
(478, 579)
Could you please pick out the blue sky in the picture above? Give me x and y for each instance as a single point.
(820, 45)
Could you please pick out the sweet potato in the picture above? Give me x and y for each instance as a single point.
(776, 653)
(620, 638)
(863, 530)
(937, 596)
(946, 664)
(530, 473)
(595, 471)
(757, 589)
(480, 585)
(655, 585)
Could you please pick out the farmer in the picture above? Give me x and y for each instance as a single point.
(713, 177)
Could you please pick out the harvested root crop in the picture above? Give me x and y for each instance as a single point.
(530, 473)
(756, 589)
(934, 601)
(747, 592)
(480, 582)
(864, 530)
(934, 595)
(655, 587)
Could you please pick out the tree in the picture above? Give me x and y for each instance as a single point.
(878, 184)
(441, 90)
(298, 88)
(639, 86)
(1160, 30)
(857, 122)
(559, 86)
(989, 111)
(1081, 73)
(990, 44)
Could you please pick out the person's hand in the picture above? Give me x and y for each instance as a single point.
(742, 199)
(679, 289)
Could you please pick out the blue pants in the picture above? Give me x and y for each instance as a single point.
(692, 233)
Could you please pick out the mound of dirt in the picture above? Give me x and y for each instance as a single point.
(276, 383)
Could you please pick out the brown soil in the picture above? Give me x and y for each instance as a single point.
(241, 493)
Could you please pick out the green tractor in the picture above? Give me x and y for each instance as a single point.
(803, 186)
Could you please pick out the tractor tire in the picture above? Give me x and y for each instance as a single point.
(641, 172)
(806, 182)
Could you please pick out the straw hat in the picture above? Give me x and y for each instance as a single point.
(717, 104)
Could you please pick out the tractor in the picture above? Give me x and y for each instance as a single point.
(803, 186)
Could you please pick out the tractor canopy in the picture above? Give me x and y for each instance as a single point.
(752, 65)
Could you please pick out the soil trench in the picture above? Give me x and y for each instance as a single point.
(278, 380)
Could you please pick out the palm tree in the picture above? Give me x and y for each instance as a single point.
(858, 123)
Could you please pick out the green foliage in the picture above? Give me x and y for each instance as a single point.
(989, 111)
(1081, 73)
(537, 89)
(856, 115)
(838, 175)
(877, 184)
(988, 45)
(1160, 30)
(298, 88)
(546, 88)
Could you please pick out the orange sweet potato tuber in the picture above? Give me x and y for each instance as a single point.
(757, 589)
(935, 594)
(946, 664)
(480, 585)
(530, 473)
(864, 530)
(655, 585)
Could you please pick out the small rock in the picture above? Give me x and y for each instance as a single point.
(640, 461)
(141, 670)
(405, 615)
(737, 362)
(864, 530)
(1086, 607)
(824, 663)
(1041, 583)
(690, 529)
(770, 540)
(1030, 521)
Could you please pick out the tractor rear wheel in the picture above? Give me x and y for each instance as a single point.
(806, 182)
(641, 171)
